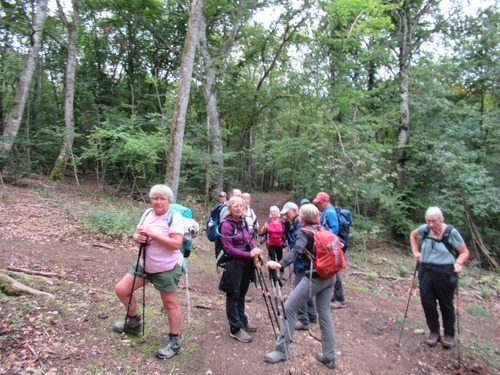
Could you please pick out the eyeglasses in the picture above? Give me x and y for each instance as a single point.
(159, 199)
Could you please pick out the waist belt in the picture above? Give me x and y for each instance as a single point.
(436, 266)
(312, 275)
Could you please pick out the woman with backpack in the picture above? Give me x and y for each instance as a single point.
(440, 258)
(161, 266)
(310, 286)
(274, 228)
(240, 270)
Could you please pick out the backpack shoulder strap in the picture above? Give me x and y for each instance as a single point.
(445, 240)
(145, 216)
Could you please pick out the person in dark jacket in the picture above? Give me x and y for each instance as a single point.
(307, 313)
(240, 269)
(438, 271)
(309, 286)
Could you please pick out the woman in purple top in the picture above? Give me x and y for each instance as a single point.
(239, 271)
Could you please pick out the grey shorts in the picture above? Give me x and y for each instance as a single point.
(166, 282)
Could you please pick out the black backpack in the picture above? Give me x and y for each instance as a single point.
(445, 238)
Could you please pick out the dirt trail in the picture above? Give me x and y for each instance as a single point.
(72, 334)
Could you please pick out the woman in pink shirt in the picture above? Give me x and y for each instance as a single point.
(163, 231)
(274, 227)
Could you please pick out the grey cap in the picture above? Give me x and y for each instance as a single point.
(287, 206)
(222, 194)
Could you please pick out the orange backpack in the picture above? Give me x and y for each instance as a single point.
(328, 258)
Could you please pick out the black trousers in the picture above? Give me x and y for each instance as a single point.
(438, 284)
(275, 252)
(235, 282)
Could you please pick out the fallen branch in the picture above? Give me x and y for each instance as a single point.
(98, 244)
(17, 286)
(314, 336)
(62, 275)
(204, 307)
(395, 278)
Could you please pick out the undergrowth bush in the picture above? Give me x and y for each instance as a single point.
(113, 222)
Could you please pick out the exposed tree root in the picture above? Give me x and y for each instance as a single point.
(12, 287)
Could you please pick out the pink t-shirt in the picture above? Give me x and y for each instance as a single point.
(159, 258)
(275, 233)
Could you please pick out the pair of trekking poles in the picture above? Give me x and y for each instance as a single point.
(273, 310)
(457, 311)
(142, 253)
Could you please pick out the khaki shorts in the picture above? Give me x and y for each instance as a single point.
(166, 282)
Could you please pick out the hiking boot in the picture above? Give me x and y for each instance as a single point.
(448, 342)
(251, 327)
(131, 325)
(248, 299)
(330, 364)
(241, 336)
(337, 305)
(313, 319)
(275, 356)
(172, 348)
(433, 339)
(282, 275)
(300, 326)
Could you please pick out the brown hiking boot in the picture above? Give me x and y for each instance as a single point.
(300, 326)
(337, 305)
(241, 336)
(251, 327)
(448, 342)
(433, 339)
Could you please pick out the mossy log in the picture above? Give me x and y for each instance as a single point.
(12, 287)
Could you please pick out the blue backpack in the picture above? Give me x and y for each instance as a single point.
(191, 227)
(212, 223)
(344, 217)
(345, 220)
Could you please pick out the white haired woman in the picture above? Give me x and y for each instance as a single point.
(274, 227)
(164, 232)
(438, 270)
(310, 286)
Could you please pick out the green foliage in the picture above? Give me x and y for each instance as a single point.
(125, 148)
(478, 310)
(112, 222)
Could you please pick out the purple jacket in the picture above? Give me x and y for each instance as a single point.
(233, 242)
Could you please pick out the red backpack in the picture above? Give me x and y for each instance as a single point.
(328, 258)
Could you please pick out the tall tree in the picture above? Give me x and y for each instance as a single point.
(410, 34)
(21, 97)
(69, 92)
(174, 155)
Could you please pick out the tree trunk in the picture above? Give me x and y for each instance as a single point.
(213, 124)
(174, 155)
(406, 20)
(21, 97)
(69, 94)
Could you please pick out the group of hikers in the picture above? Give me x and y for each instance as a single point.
(439, 258)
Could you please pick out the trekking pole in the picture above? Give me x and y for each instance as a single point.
(187, 290)
(459, 370)
(143, 287)
(262, 280)
(277, 285)
(141, 249)
(258, 265)
(407, 304)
